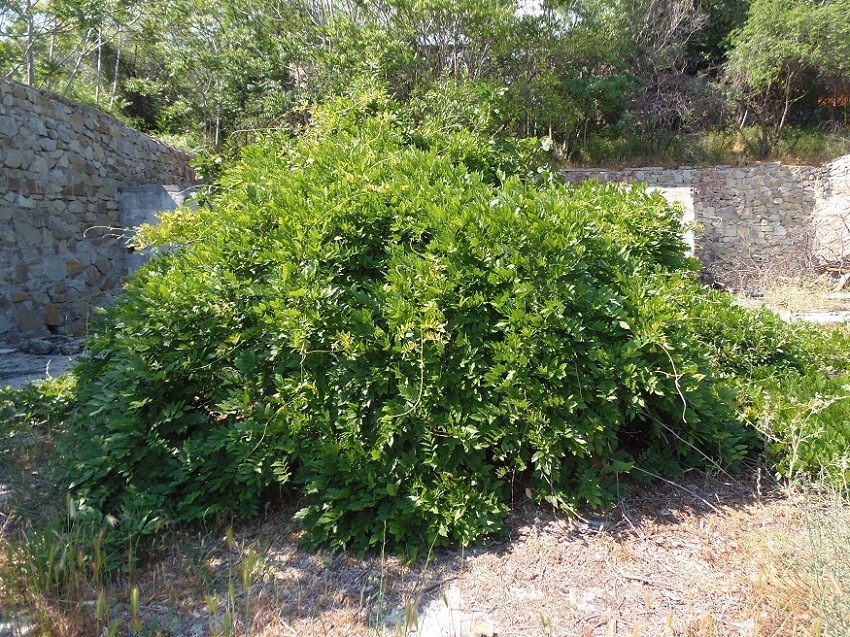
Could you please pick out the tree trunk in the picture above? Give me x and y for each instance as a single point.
(115, 75)
(77, 65)
(50, 61)
(98, 73)
(30, 45)
(217, 114)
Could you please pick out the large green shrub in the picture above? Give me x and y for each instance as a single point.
(405, 323)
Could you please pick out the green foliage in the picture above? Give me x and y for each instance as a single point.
(809, 146)
(783, 39)
(782, 52)
(404, 323)
(792, 383)
(41, 403)
(806, 422)
(803, 410)
(709, 45)
(605, 79)
(749, 344)
(456, 106)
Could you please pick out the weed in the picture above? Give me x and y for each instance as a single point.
(828, 527)
(41, 403)
(808, 146)
(801, 570)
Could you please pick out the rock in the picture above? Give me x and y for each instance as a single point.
(38, 347)
(50, 345)
(52, 317)
(14, 158)
(445, 616)
(28, 320)
(16, 624)
(8, 127)
(54, 269)
(817, 317)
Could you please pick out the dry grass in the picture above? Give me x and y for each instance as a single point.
(709, 556)
(806, 296)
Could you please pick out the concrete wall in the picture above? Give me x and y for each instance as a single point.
(752, 221)
(141, 204)
(684, 197)
(831, 216)
(62, 241)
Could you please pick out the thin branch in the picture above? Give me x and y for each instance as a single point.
(679, 486)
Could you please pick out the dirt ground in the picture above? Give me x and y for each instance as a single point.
(705, 556)
(36, 359)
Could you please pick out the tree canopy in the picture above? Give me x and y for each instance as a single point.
(214, 74)
(786, 50)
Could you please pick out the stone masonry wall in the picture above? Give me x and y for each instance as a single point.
(752, 221)
(62, 165)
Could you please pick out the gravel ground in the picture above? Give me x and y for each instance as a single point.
(36, 359)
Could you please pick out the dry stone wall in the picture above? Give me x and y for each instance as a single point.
(62, 245)
(751, 221)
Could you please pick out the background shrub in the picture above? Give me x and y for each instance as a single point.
(405, 322)
(792, 384)
(45, 403)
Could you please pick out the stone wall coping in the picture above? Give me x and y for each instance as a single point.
(86, 108)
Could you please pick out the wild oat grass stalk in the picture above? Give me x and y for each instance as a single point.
(828, 528)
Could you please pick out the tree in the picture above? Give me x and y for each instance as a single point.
(658, 32)
(219, 72)
(54, 43)
(29, 30)
(410, 45)
(786, 49)
(708, 47)
(626, 68)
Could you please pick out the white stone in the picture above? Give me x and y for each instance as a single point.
(446, 616)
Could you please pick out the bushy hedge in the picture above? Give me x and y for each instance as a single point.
(406, 324)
